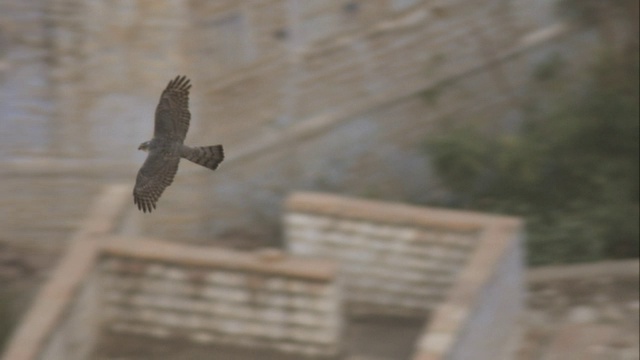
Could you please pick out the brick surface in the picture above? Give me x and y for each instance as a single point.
(264, 299)
(464, 267)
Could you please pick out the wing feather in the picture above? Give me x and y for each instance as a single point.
(172, 113)
(154, 176)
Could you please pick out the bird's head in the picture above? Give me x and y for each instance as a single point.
(144, 146)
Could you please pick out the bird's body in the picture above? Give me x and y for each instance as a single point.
(166, 148)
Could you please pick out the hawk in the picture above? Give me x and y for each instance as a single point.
(167, 147)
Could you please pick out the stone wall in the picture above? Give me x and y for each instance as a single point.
(463, 269)
(368, 152)
(257, 66)
(63, 322)
(494, 328)
(77, 334)
(216, 296)
(396, 259)
(263, 300)
(204, 295)
(480, 318)
(324, 96)
(299, 60)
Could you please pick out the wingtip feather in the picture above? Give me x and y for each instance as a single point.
(180, 82)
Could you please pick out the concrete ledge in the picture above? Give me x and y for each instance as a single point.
(260, 300)
(488, 293)
(471, 263)
(391, 213)
(630, 268)
(284, 265)
(52, 301)
(43, 331)
(70, 311)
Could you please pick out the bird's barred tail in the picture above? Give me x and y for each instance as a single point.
(207, 156)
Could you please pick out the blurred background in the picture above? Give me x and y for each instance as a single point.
(521, 107)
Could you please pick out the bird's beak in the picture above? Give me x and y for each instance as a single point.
(140, 147)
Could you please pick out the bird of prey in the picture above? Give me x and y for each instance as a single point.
(167, 146)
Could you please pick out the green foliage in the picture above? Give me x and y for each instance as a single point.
(572, 171)
(588, 12)
(549, 68)
(6, 319)
(432, 95)
(611, 18)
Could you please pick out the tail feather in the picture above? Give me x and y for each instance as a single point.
(207, 156)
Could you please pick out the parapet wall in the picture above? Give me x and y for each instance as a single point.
(76, 335)
(397, 259)
(465, 269)
(481, 316)
(126, 285)
(218, 296)
(63, 323)
(205, 295)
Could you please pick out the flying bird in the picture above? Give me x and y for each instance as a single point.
(167, 147)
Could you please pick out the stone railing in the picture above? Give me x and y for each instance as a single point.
(465, 269)
(126, 285)
(480, 318)
(462, 271)
(218, 296)
(63, 322)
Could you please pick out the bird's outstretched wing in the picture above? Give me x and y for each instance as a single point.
(172, 112)
(154, 176)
